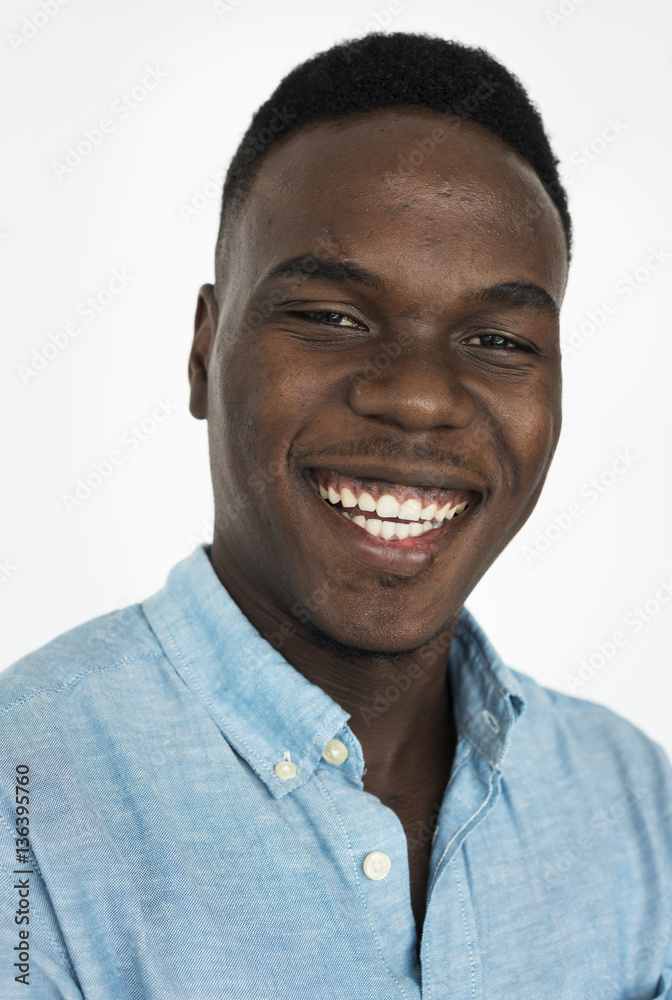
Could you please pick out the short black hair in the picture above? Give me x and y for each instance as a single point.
(398, 69)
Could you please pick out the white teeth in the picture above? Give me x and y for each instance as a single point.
(443, 513)
(366, 502)
(422, 519)
(388, 506)
(410, 509)
(391, 530)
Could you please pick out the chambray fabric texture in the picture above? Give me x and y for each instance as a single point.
(169, 860)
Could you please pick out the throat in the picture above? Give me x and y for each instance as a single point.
(414, 789)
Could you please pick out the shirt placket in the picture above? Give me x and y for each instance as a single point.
(376, 854)
(450, 952)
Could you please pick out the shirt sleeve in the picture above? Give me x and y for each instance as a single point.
(32, 949)
(665, 983)
(37, 957)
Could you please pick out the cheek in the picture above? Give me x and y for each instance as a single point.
(536, 438)
(526, 430)
(263, 398)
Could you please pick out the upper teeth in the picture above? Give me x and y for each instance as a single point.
(387, 506)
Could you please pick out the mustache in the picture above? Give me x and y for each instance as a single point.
(381, 448)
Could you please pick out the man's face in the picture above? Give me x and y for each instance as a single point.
(430, 361)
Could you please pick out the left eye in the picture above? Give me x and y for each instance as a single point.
(330, 318)
(499, 341)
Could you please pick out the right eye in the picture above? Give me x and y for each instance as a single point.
(324, 316)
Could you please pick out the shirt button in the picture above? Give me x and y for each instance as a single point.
(285, 769)
(335, 752)
(376, 865)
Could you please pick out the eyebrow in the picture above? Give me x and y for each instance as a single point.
(514, 294)
(310, 265)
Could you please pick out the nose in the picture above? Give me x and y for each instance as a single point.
(418, 390)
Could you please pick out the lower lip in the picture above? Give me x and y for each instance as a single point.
(405, 557)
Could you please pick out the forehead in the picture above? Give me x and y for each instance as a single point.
(418, 195)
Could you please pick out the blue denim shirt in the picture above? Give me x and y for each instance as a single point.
(168, 859)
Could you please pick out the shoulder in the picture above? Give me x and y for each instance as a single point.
(109, 643)
(582, 744)
(588, 721)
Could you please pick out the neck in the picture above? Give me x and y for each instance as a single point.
(399, 702)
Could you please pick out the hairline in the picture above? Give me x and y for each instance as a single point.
(232, 210)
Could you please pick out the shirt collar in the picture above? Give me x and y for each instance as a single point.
(487, 697)
(266, 709)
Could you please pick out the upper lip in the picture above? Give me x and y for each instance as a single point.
(416, 475)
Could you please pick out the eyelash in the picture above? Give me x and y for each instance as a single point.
(324, 312)
(516, 345)
(329, 312)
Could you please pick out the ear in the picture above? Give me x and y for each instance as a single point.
(205, 328)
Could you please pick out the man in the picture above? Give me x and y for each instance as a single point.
(301, 770)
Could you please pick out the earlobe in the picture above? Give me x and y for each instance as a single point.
(205, 328)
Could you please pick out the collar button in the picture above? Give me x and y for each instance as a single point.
(285, 769)
(335, 752)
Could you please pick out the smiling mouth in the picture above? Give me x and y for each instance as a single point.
(391, 512)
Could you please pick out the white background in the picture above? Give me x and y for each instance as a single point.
(123, 207)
